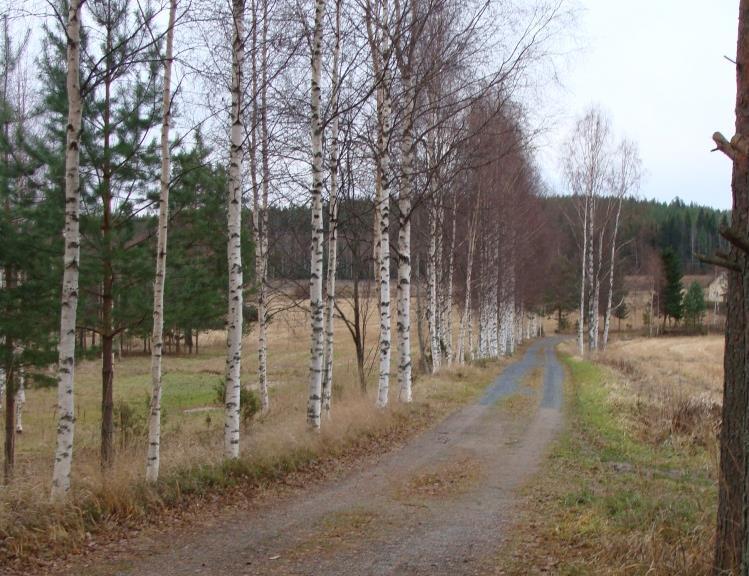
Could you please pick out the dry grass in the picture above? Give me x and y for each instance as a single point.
(273, 446)
(630, 489)
(449, 479)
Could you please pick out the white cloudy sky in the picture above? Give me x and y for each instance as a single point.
(658, 68)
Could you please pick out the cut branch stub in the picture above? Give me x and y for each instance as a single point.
(735, 238)
(736, 149)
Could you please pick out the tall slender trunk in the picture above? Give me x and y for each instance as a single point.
(107, 283)
(327, 387)
(261, 219)
(583, 260)
(157, 334)
(11, 284)
(234, 248)
(592, 311)
(432, 314)
(448, 317)
(609, 303)
(378, 37)
(384, 273)
(404, 246)
(71, 234)
(316, 249)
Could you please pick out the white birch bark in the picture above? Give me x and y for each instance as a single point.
(583, 268)
(432, 316)
(234, 247)
(609, 303)
(314, 400)
(404, 247)
(448, 318)
(592, 312)
(385, 336)
(261, 222)
(157, 333)
(327, 388)
(71, 233)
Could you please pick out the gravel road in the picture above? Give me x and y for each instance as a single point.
(440, 505)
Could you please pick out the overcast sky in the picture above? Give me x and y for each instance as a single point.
(657, 67)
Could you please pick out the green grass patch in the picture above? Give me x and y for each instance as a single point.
(609, 503)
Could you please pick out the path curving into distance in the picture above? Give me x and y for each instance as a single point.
(440, 505)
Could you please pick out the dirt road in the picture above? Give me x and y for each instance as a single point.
(439, 506)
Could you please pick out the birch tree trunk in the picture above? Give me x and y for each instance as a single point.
(432, 315)
(583, 260)
(157, 334)
(234, 248)
(384, 208)
(448, 318)
(327, 388)
(71, 234)
(261, 222)
(592, 312)
(316, 249)
(404, 246)
(607, 318)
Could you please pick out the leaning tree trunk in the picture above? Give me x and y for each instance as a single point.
(314, 400)
(732, 537)
(609, 303)
(71, 234)
(234, 249)
(157, 334)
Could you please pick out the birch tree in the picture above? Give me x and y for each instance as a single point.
(586, 172)
(157, 334)
(234, 248)
(314, 401)
(327, 387)
(625, 179)
(71, 234)
(377, 21)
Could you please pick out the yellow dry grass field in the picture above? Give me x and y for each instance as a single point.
(689, 365)
(193, 415)
(192, 436)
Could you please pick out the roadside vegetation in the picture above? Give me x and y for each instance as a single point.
(34, 532)
(631, 486)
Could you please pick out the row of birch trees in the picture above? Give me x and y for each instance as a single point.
(600, 174)
(396, 127)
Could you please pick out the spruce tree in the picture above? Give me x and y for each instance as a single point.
(673, 288)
